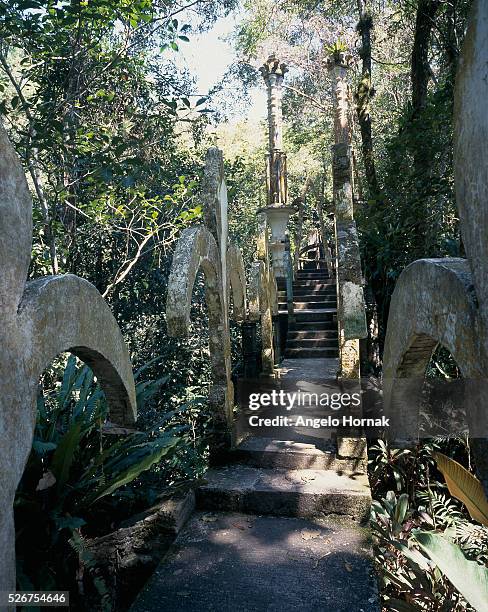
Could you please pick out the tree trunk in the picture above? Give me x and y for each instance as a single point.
(420, 70)
(364, 94)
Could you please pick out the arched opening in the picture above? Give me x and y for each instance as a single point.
(443, 412)
(63, 477)
(84, 477)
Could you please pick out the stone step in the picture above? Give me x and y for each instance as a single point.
(310, 291)
(326, 334)
(308, 294)
(309, 266)
(312, 285)
(306, 343)
(225, 562)
(300, 493)
(311, 353)
(326, 314)
(317, 298)
(317, 276)
(309, 305)
(328, 325)
(290, 455)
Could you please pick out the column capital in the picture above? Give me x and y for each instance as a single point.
(339, 59)
(273, 66)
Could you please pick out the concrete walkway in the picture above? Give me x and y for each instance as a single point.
(228, 562)
(280, 528)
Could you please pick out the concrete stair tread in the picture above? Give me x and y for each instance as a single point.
(258, 444)
(307, 343)
(241, 478)
(312, 352)
(321, 334)
(313, 310)
(318, 285)
(313, 326)
(265, 452)
(235, 562)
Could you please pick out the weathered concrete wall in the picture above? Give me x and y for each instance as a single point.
(40, 320)
(471, 155)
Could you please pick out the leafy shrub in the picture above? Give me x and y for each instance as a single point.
(84, 475)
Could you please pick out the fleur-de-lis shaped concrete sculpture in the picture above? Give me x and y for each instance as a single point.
(445, 301)
(40, 320)
(206, 247)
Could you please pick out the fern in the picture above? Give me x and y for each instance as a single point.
(445, 510)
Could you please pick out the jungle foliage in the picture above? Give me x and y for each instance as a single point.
(112, 135)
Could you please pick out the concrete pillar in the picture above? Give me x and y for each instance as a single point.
(277, 212)
(351, 310)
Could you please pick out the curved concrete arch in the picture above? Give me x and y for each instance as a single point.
(67, 313)
(257, 295)
(39, 320)
(263, 305)
(236, 281)
(197, 249)
(433, 303)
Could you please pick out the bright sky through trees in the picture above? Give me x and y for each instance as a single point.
(207, 59)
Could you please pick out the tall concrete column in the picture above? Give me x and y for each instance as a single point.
(273, 72)
(342, 171)
(277, 212)
(351, 308)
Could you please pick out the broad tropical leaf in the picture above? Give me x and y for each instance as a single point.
(465, 487)
(135, 469)
(469, 578)
(64, 454)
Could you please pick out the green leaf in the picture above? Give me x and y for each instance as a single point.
(134, 470)
(64, 454)
(41, 448)
(401, 508)
(468, 577)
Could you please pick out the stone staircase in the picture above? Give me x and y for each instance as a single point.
(287, 478)
(314, 332)
(280, 527)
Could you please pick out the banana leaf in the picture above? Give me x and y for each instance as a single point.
(468, 577)
(464, 486)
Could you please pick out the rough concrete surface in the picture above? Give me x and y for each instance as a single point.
(239, 563)
(39, 320)
(445, 301)
(281, 492)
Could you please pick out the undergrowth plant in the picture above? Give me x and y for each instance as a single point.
(84, 475)
(417, 524)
